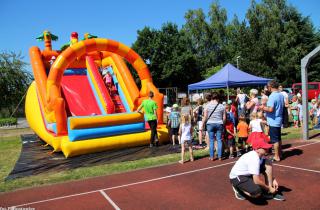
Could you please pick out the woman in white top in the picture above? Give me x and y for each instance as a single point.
(253, 104)
(241, 100)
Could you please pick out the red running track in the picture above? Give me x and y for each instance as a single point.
(198, 185)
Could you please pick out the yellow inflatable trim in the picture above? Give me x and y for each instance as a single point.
(34, 117)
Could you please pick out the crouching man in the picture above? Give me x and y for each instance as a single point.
(246, 175)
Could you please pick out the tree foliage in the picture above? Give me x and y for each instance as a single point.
(208, 36)
(280, 37)
(270, 41)
(14, 80)
(166, 53)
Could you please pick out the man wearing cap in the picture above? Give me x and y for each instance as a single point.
(245, 174)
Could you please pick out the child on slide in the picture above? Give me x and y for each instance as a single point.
(108, 80)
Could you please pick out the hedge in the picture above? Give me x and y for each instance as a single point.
(8, 121)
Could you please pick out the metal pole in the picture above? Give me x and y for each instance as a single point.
(167, 97)
(238, 61)
(304, 80)
(228, 93)
(176, 91)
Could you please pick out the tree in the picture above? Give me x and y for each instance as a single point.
(14, 80)
(166, 53)
(197, 31)
(271, 41)
(208, 35)
(279, 37)
(212, 71)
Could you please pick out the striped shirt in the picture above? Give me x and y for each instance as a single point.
(174, 118)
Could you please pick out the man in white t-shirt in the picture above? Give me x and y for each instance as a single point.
(245, 174)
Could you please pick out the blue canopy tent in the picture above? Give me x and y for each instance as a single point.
(228, 76)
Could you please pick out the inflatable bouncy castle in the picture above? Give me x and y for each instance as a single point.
(83, 99)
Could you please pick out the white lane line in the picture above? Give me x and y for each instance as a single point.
(291, 148)
(56, 198)
(146, 181)
(303, 169)
(125, 185)
(109, 199)
(169, 176)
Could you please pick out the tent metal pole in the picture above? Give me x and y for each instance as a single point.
(228, 92)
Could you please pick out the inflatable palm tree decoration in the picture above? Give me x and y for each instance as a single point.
(74, 39)
(89, 36)
(47, 37)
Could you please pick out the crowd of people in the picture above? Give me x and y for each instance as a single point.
(246, 127)
(294, 109)
(228, 128)
(234, 123)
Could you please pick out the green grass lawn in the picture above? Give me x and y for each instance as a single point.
(10, 147)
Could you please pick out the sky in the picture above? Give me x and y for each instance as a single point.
(24, 20)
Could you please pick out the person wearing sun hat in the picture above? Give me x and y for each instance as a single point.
(245, 174)
(174, 123)
(175, 106)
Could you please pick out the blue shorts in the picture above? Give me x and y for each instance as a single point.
(275, 134)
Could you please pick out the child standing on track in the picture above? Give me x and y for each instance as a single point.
(230, 136)
(185, 132)
(295, 111)
(243, 129)
(317, 124)
(300, 111)
(174, 122)
(256, 127)
(313, 112)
